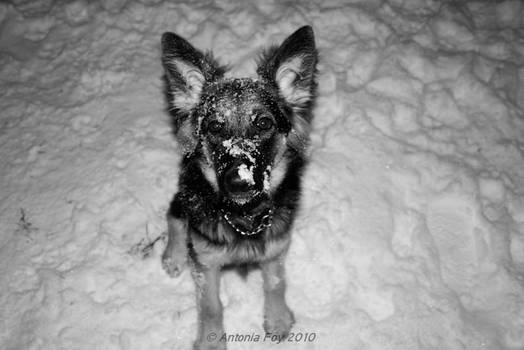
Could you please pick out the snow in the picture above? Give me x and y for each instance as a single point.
(238, 147)
(246, 174)
(411, 232)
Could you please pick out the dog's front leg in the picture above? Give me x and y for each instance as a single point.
(174, 258)
(278, 318)
(210, 320)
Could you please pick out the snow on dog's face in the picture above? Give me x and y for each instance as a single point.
(242, 128)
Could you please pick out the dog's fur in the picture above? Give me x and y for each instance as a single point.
(244, 146)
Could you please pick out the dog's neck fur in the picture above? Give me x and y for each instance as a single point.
(199, 201)
(255, 222)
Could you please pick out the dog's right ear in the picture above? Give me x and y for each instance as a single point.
(186, 71)
(291, 68)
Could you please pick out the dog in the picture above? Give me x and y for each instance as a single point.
(244, 152)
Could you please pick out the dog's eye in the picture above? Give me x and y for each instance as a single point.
(264, 123)
(214, 127)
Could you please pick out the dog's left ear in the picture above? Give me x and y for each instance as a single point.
(187, 70)
(291, 68)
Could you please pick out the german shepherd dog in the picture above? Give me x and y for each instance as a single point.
(244, 144)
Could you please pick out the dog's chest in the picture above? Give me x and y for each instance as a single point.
(241, 250)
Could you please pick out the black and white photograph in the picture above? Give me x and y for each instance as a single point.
(252, 175)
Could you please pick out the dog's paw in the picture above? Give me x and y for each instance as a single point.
(174, 265)
(209, 345)
(279, 322)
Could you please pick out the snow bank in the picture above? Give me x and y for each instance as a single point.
(411, 235)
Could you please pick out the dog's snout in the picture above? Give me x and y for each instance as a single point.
(239, 178)
(235, 183)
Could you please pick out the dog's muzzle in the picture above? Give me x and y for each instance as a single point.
(242, 171)
(238, 179)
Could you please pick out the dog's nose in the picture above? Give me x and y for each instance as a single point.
(239, 179)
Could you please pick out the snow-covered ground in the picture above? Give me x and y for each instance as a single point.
(411, 235)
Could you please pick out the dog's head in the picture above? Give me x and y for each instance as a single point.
(242, 128)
